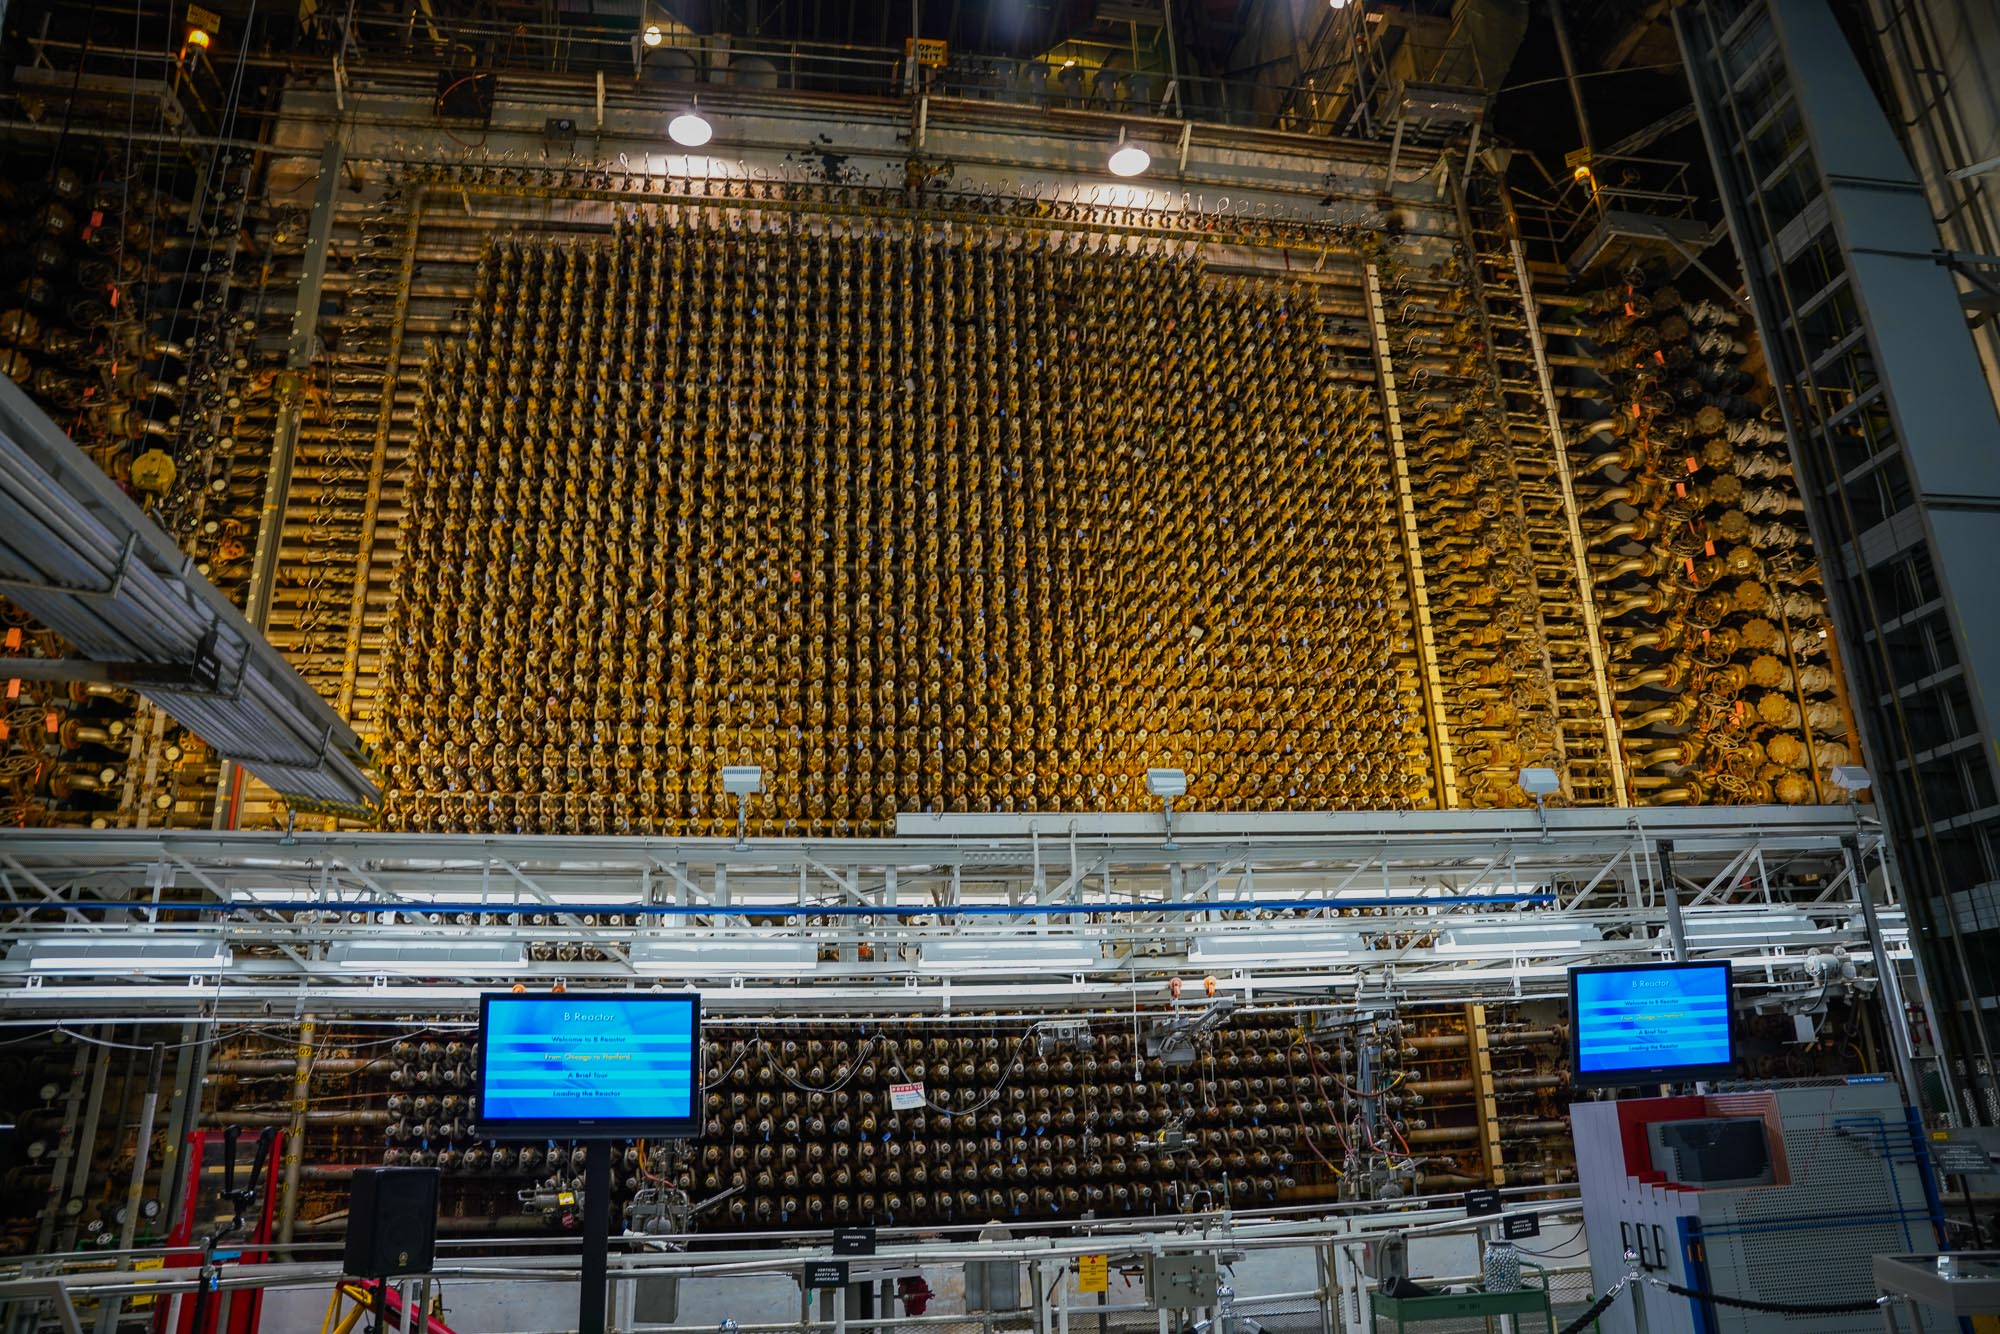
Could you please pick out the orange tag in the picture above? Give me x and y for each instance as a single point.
(14, 688)
(1681, 490)
(13, 636)
(1660, 357)
(1692, 465)
(1690, 565)
(114, 296)
(5, 731)
(1708, 547)
(53, 720)
(1635, 412)
(1739, 710)
(1704, 636)
(1629, 311)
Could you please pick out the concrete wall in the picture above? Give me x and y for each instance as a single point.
(1956, 45)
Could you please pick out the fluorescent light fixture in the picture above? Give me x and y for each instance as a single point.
(124, 954)
(1166, 782)
(1129, 160)
(428, 958)
(1727, 926)
(1540, 782)
(1232, 950)
(1018, 954)
(690, 129)
(1852, 778)
(1527, 936)
(707, 956)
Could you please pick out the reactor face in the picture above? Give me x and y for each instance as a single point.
(916, 519)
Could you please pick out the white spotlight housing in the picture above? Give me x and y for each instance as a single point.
(1128, 159)
(1167, 782)
(690, 129)
(1539, 782)
(653, 36)
(742, 781)
(1851, 778)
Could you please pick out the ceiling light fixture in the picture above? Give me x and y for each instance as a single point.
(1128, 159)
(990, 954)
(124, 953)
(653, 36)
(690, 129)
(429, 958)
(712, 956)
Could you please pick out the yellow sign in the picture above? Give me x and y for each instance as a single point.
(205, 19)
(1093, 1273)
(140, 1303)
(928, 50)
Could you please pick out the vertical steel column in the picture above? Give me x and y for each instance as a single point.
(1670, 890)
(299, 346)
(1479, 1044)
(142, 1148)
(392, 375)
(183, 1114)
(72, 1208)
(295, 1134)
(1900, 1047)
(1569, 72)
(1406, 514)
(298, 356)
(596, 1236)
(1586, 590)
(66, 1150)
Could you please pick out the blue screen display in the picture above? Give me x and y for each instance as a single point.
(560, 1058)
(1652, 1018)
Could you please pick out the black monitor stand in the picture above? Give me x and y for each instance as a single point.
(596, 1236)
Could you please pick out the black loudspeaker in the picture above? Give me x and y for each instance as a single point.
(392, 1222)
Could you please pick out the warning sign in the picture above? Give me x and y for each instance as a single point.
(206, 19)
(1093, 1273)
(906, 1097)
(141, 1303)
(929, 51)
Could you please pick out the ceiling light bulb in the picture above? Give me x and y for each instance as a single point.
(653, 34)
(1336, 4)
(690, 129)
(1129, 160)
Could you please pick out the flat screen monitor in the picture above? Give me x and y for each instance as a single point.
(1650, 1023)
(578, 1065)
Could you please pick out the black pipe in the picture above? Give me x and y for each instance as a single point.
(596, 1237)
